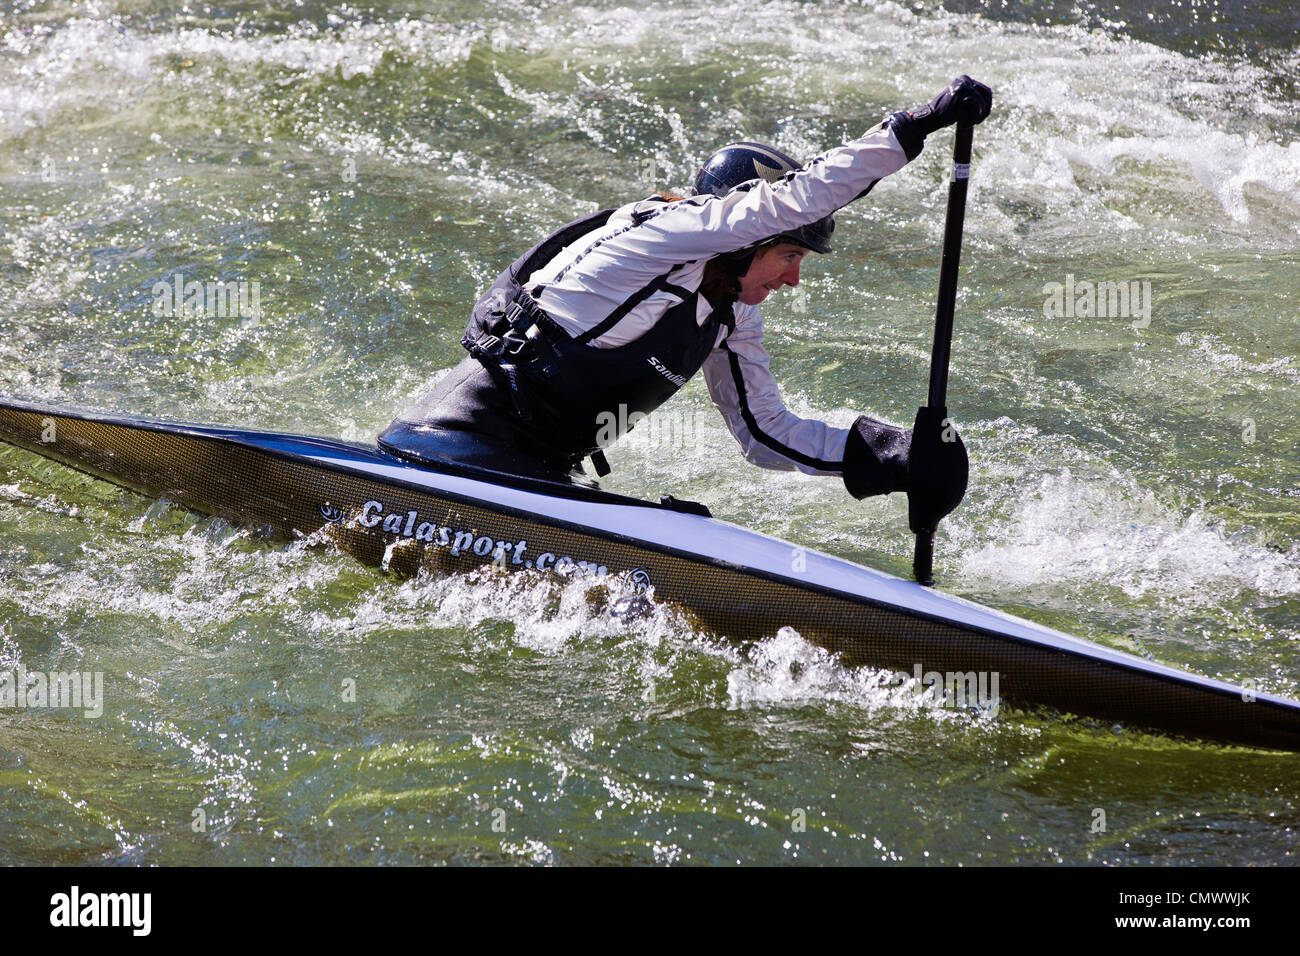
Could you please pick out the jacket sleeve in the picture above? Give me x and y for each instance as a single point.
(705, 226)
(744, 389)
(631, 251)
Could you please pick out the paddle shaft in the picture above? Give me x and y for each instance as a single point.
(923, 562)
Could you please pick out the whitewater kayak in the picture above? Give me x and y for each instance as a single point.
(452, 518)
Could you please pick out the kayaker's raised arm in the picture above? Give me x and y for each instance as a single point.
(650, 254)
(706, 226)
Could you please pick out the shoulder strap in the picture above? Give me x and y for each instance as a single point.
(639, 217)
(550, 247)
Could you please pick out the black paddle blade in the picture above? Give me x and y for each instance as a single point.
(937, 470)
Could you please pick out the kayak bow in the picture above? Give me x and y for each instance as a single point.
(736, 582)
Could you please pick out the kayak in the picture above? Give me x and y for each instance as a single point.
(452, 518)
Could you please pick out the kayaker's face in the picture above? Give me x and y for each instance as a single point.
(772, 268)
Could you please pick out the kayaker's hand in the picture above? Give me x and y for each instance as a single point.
(965, 101)
(875, 458)
(937, 470)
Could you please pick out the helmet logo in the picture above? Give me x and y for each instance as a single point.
(768, 173)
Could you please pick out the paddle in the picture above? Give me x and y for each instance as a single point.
(930, 419)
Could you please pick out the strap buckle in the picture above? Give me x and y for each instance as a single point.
(517, 317)
(487, 345)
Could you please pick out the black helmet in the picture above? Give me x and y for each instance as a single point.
(742, 162)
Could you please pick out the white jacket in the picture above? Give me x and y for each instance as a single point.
(605, 272)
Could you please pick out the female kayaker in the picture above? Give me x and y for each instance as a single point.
(605, 319)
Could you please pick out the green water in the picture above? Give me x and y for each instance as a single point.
(373, 169)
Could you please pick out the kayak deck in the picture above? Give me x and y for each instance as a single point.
(736, 582)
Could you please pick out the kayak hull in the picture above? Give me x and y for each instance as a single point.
(390, 514)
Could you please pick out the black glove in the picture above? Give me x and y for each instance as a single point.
(875, 458)
(881, 458)
(965, 101)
